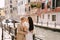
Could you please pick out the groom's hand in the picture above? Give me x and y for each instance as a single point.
(25, 33)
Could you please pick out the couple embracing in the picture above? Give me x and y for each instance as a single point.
(25, 29)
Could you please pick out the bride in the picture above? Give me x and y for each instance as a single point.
(28, 27)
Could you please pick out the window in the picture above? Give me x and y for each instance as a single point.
(10, 6)
(10, 1)
(57, 3)
(53, 17)
(25, 10)
(48, 5)
(11, 11)
(43, 4)
(14, 8)
(29, 8)
(28, 1)
(53, 4)
(21, 2)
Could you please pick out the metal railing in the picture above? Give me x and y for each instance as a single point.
(47, 24)
(10, 31)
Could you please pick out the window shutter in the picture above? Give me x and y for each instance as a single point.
(43, 5)
(53, 4)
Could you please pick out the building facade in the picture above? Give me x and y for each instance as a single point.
(50, 5)
(11, 8)
(50, 12)
(22, 7)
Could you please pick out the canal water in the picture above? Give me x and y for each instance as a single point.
(46, 34)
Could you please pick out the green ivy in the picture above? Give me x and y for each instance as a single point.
(38, 5)
(33, 5)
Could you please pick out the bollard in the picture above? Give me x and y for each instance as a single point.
(47, 23)
(55, 24)
(33, 36)
(41, 23)
(37, 19)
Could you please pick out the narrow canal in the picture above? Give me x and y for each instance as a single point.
(46, 34)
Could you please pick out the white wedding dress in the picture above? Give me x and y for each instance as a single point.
(29, 35)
